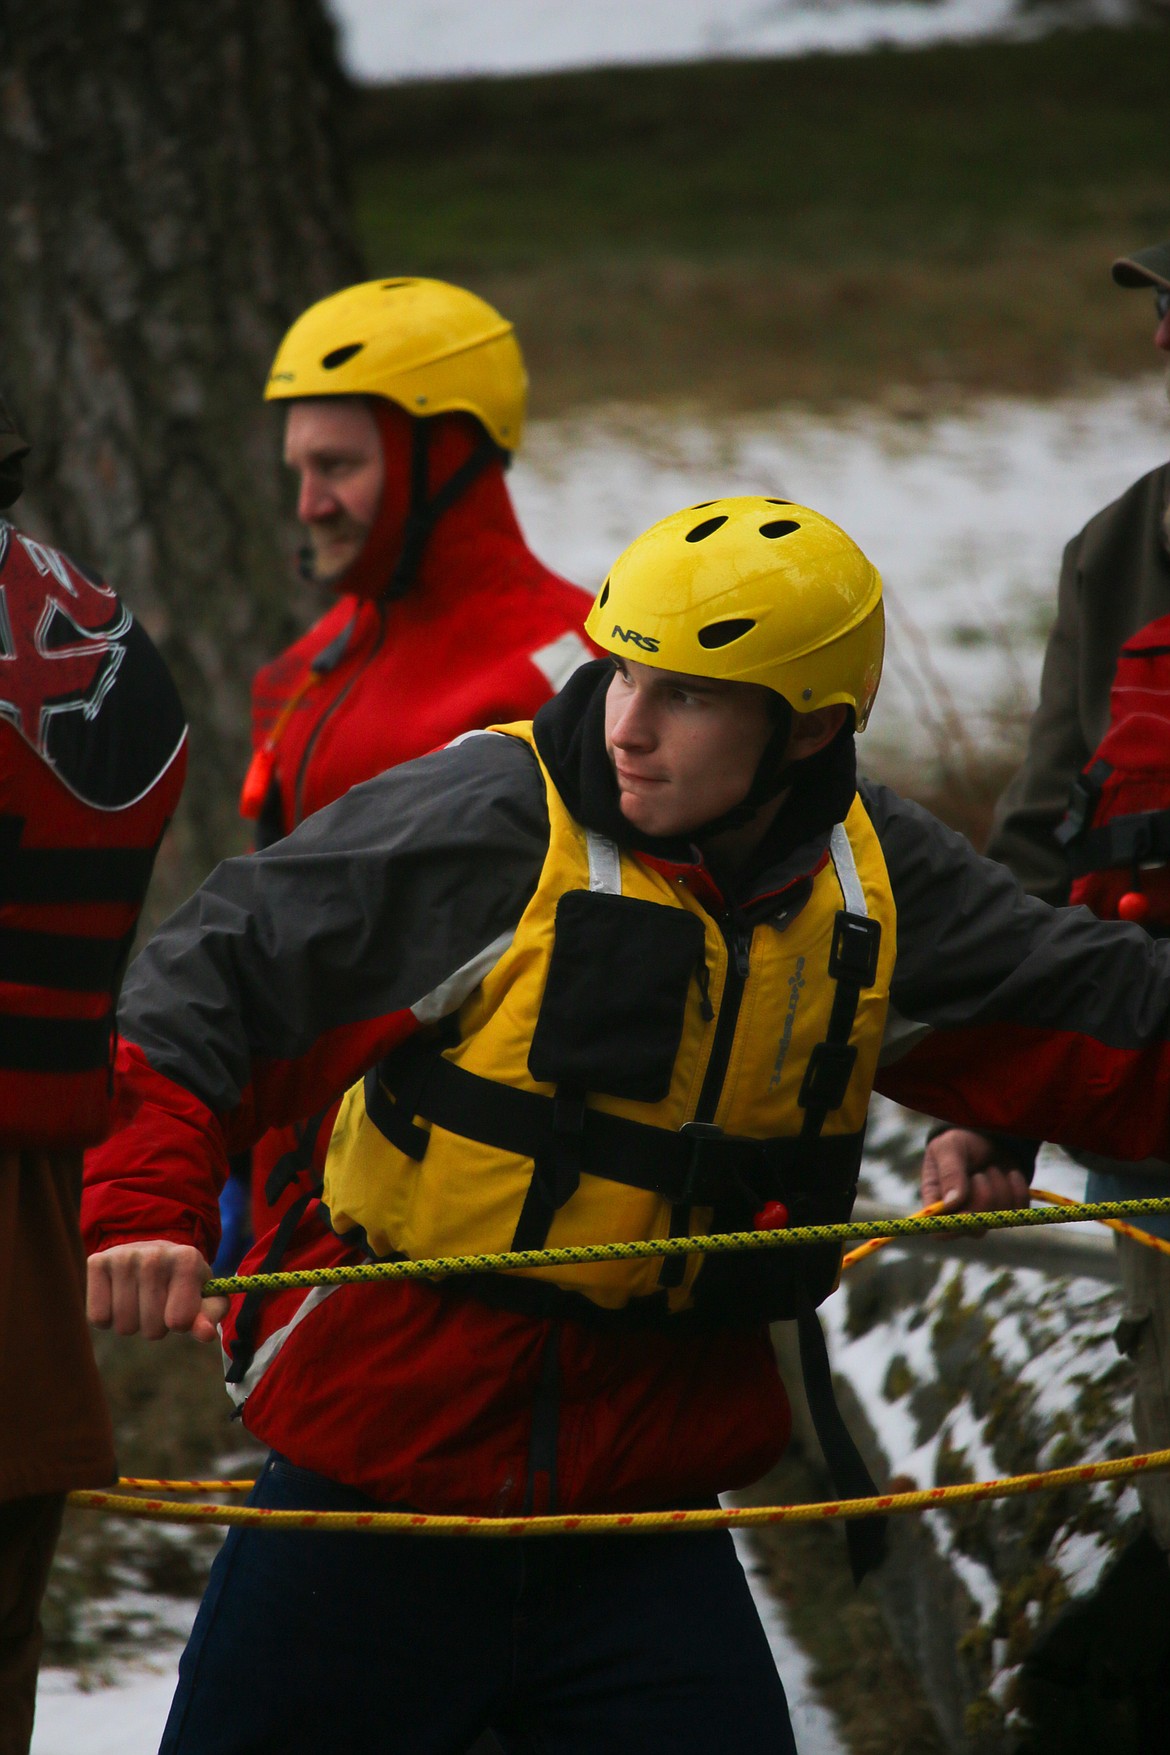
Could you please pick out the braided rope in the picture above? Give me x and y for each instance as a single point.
(1119, 1225)
(875, 1235)
(609, 1523)
(852, 1256)
(573, 1255)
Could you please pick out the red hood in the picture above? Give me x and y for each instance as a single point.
(484, 506)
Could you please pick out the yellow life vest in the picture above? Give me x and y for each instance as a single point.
(632, 1066)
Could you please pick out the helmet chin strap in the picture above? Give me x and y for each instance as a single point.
(363, 575)
(426, 509)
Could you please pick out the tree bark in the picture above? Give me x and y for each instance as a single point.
(173, 193)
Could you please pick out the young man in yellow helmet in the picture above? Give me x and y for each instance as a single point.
(405, 404)
(626, 971)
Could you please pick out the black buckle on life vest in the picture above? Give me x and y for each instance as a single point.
(854, 954)
(1134, 838)
(1083, 795)
(695, 1188)
(826, 1078)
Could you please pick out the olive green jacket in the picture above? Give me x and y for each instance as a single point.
(1115, 578)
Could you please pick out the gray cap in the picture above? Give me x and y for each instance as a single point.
(1144, 268)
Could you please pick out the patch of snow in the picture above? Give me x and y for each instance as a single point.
(1046, 1340)
(1081, 1558)
(436, 39)
(1055, 1170)
(965, 514)
(977, 1580)
(813, 1724)
(125, 1717)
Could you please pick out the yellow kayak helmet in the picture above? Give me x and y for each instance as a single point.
(428, 346)
(755, 590)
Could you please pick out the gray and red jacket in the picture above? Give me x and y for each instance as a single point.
(289, 974)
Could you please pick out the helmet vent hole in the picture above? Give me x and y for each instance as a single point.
(706, 528)
(723, 633)
(604, 598)
(777, 502)
(702, 505)
(778, 527)
(338, 357)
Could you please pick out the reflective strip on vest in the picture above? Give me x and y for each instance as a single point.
(605, 864)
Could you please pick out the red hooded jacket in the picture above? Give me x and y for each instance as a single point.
(484, 632)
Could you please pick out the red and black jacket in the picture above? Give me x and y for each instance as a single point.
(92, 757)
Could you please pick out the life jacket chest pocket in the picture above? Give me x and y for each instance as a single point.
(614, 1004)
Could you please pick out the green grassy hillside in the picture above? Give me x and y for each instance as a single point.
(814, 229)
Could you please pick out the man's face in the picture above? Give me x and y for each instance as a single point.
(1162, 332)
(684, 749)
(333, 445)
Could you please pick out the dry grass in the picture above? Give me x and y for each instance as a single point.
(743, 234)
(743, 335)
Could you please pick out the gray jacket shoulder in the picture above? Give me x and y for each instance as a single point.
(368, 908)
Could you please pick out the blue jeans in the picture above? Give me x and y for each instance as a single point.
(414, 1645)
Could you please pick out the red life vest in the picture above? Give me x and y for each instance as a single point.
(92, 757)
(1117, 829)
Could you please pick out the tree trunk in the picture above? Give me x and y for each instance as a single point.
(173, 194)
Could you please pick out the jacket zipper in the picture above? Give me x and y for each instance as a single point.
(737, 935)
(302, 771)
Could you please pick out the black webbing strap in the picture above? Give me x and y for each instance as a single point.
(54, 1045)
(851, 1479)
(674, 1268)
(1122, 844)
(425, 512)
(248, 1320)
(694, 1165)
(557, 1168)
(540, 1493)
(1083, 797)
(61, 959)
(70, 874)
(853, 960)
(291, 1164)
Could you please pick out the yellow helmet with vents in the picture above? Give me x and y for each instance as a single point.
(431, 347)
(754, 590)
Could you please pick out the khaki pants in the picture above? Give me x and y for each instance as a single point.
(28, 1535)
(1145, 1279)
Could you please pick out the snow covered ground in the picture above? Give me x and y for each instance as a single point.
(124, 1718)
(419, 39)
(812, 1722)
(964, 513)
